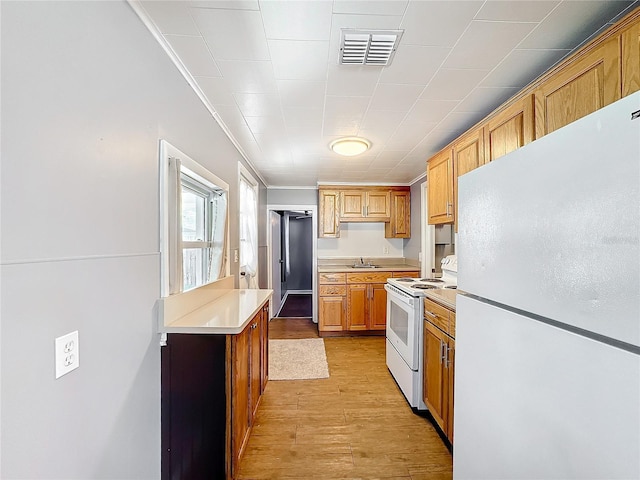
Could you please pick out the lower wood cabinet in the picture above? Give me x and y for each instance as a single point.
(366, 307)
(211, 388)
(438, 366)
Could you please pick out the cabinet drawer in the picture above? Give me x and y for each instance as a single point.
(437, 315)
(333, 290)
(368, 277)
(406, 274)
(328, 278)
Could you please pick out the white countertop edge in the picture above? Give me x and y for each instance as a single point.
(238, 312)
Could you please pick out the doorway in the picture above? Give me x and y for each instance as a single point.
(293, 260)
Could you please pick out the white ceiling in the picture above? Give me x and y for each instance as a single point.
(269, 68)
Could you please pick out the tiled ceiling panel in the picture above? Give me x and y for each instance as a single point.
(269, 69)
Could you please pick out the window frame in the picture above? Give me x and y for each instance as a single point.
(210, 182)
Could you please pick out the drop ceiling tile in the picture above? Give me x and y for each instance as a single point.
(341, 126)
(439, 137)
(348, 80)
(459, 122)
(248, 77)
(395, 97)
(216, 90)
(232, 34)
(382, 120)
(171, 17)
(377, 136)
(437, 23)
(485, 44)
(452, 84)
(226, 4)
(521, 67)
(377, 7)
(301, 94)
(231, 115)
(296, 20)
(484, 100)
(345, 106)
(428, 111)
(194, 54)
(570, 23)
(408, 134)
(365, 22)
(630, 6)
(257, 104)
(414, 64)
(299, 60)
(273, 125)
(519, 11)
(303, 118)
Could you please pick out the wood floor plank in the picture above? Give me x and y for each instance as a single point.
(354, 425)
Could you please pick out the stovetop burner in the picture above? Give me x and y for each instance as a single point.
(422, 286)
(405, 279)
(432, 280)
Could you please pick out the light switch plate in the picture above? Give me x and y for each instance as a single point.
(67, 353)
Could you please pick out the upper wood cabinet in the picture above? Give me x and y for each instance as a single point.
(468, 154)
(391, 205)
(365, 205)
(583, 86)
(328, 220)
(630, 59)
(510, 129)
(400, 224)
(440, 188)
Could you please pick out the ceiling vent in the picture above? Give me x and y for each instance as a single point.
(371, 47)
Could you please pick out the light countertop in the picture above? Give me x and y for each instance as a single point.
(227, 314)
(444, 296)
(381, 268)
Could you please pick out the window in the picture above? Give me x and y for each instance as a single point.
(194, 223)
(248, 228)
(203, 213)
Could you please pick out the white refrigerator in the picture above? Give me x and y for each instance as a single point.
(547, 374)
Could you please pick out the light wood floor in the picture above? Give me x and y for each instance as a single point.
(355, 424)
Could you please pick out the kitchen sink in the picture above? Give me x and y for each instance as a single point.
(365, 265)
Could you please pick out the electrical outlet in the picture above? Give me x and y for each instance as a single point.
(67, 353)
(385, 250)
(235, 255)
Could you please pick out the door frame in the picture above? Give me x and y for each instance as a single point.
(314, 252)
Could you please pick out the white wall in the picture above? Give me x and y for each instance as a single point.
(413, 246)
(360, 240)
(292, 196)
(86, 95)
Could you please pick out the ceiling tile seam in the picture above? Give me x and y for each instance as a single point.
(204, 39)
(164, 44)
(539, 23)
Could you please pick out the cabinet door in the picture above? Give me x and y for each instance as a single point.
(352, 204)
(510, 129)
(377, 307)
(240, 393)
(631, 60)
(468, 154)
(254, 369)
(329, 208)
(440, 188)
(331, 314)
(451, 353)
(434, 371)
(264, 347)
(357, 298)
(378, 205)
(581, 88)
(400, 224)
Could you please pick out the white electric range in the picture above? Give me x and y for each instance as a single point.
(405, 301)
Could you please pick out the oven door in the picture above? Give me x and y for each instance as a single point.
(403, 320)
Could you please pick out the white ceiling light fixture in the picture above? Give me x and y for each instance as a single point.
(372, 47)
(350, 146)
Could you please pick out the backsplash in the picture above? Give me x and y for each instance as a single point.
(360, 240)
